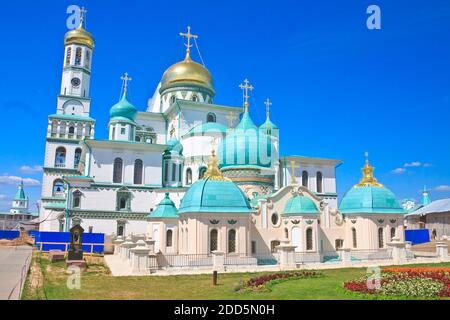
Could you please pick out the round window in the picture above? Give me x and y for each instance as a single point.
(275, 219)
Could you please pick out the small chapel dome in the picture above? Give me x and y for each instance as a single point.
(123, 110)
(369, 196)
(300, 205)
(187, 73)
(165, 210)
(175, 146)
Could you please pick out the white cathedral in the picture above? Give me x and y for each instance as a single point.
(196, 176)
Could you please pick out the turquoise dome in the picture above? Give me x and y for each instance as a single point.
(165, 210)
(175, 146)
(220, 196)
(244, 146)
(300, 205)
(370, 199)
(123, 110)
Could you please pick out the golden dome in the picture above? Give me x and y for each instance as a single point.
(187, 73)
(79, 36)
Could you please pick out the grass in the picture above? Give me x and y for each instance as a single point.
(98, 283)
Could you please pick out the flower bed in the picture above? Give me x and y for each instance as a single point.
(263, 283)
(410, 282)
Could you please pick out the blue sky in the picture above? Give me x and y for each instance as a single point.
(338, 89)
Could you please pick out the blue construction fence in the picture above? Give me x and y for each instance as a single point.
(96, 239)
(417, 236)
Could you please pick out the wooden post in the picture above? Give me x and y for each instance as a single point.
(214, 278)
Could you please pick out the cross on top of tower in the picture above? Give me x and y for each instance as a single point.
(125, 79)
(83, 12)
(188, 35)
(245, 88)
(268, 104)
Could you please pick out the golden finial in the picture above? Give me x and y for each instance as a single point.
(293, 166)
(268, 104)
(213, 172)
(231, 118)
(368, 178)
(188, 35)
(83, 12)
(245, 88)
(125, 79)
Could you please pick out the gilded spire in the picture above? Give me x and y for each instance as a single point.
(368, 178)
(213, 172)
(245, 89)
(188, 35)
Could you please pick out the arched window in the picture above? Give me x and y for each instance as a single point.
(138, 166)
(68, 55)
(78, 56)
(77, 157)
(88, 58)
(232, 241)
(138, 139)
(166, 171)
(88, 130)
(76, 199)
(169, 235)
(173, 99)
(393, 232)
(120, 230)
(188, 176)
(195, 98)
(286, 233)
(380, 238)
(305, 179)
(273, 245)
(71, 130)
(60, 157)
(319, 181)
(174, 172)
(201, 172)
(180, 173)
(355, 240)
(58, 188)
(309, 239)
(54, 127)
(213, 237)
(117, 170)
(210, 117)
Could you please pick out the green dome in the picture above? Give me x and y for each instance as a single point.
(219, 196)
(300, 205)
(166, 209)
(370, 199)
(123, 109)
(175, 146)
(244, 146)
(268, 125)
(207, 128)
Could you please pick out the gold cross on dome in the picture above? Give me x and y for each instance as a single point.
(188, 35)
(245, 88)
(231, 118)
(125, 79)
(293, 166)
(268, 104)
(83, 12)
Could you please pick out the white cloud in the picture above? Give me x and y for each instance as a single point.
(14, 180)
(3, 197)
(30, 169)
(399, 171)
(413, 164)
(442, 188)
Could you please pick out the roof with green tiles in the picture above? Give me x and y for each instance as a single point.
(300, 205)
(165, 210)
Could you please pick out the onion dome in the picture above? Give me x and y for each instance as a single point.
(425, 200)
(79, 36)
(165, 210)
(244, 146)
(300, 204)
(187, 73)
(268, 126)
(370, 197)
(175, 147)
(123, 110)
(20, 194)
(215, 194)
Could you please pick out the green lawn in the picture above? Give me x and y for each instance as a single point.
(97, 283)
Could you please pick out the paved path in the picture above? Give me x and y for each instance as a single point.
(14, 264)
